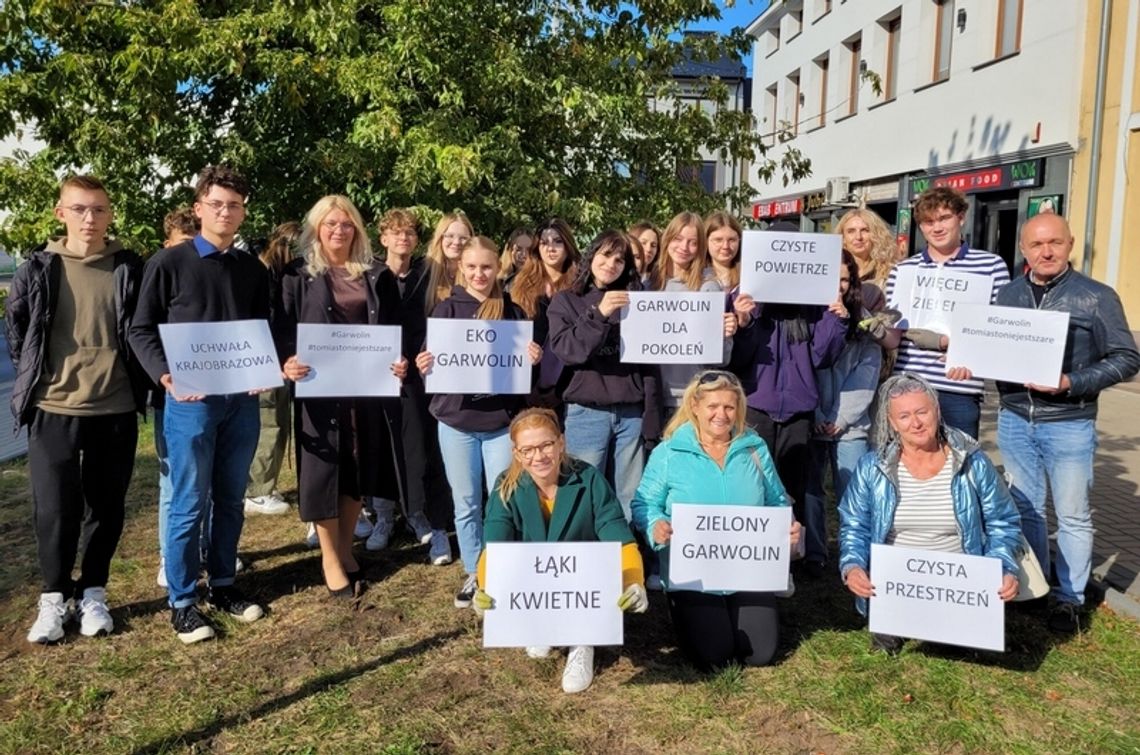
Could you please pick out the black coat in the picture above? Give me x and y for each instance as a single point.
(31, 308)
(305, 299)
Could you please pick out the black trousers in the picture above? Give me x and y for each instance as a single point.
(716, 630)
(80, 468)
(788, 443)
(427, 489)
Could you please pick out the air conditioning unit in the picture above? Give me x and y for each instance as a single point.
(838, 190)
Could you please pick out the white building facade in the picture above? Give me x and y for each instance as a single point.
(982, 95)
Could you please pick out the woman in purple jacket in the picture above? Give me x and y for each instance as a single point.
(777, 354)
(608, 402)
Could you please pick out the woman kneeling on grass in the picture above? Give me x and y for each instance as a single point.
(547, 496)
(709, 456)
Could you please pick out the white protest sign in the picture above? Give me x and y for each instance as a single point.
(682, 327)
(348, 360)
(790, 268)
(553, 594)
(218, 358)
(1009, 343)
(729, 547)
(940, 597)
(479, 356)
(927, 298)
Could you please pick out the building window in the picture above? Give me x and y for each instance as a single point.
(773, 39)
(822, 66)
(797, 23)
(891, 80)
(1008, 27)
(770, 102)
(943, 38)
(824, 8)
(854, 57)
(797, 101)
(702, 174)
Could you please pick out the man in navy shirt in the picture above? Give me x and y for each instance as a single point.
(210, 439)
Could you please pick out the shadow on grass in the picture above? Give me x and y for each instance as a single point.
(320, 684)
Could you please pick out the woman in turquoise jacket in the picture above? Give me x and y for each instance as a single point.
(709, 456)
(927, 486)
(547, 496)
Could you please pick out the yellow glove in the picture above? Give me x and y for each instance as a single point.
(635, 599)
(481, 602)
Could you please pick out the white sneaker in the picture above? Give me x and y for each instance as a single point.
(440, 550)
(420, 527)
(54, 613)
(378, 536)
(266, 504)
(161, 578)
(239, 565)
(311, 539)
(579, 671)
(538, 651)
(94, 618)
(364, 526)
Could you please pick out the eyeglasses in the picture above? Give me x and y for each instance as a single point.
(332, 225)
(458, 238)
(712, 376)
(527, 452)
(96, 210)
(216, 207)
(552, 240)
(405, 232)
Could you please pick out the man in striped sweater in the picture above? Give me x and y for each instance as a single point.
(927, 286)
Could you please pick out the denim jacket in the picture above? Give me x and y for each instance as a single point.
(988, 522)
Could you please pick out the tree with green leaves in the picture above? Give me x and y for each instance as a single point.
(510, 110)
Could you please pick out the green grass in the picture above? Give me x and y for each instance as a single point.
(408, 674)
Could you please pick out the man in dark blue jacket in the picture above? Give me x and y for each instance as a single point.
(1050, 433)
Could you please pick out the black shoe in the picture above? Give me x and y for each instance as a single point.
(191, 625)
(887, 643)
(466, 593)
(1065, 618)
(230, 600)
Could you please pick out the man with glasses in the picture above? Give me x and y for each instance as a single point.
(210, 439)
(940, 213)
(78, 391)
(1049, 434)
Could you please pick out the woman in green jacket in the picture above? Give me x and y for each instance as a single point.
(546, 496)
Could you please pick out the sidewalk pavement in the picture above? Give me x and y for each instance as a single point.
(1115, 497)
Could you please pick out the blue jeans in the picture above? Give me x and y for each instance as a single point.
(468, 458)
(1061, 453)
(590, 431)
(164, 488)
(840, 456)
(210, 445)
(961, 410)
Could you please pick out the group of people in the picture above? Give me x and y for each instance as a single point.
(600, 449)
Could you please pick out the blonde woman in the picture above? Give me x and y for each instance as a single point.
(452, 234)
(871, 243)
(710, 456)
(541, 483)
(473, 427)
(347, 448)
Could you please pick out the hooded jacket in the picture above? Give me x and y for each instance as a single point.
(31, 307)
(778, 375)
(987, 517)
(589, 346)
(477, 412)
